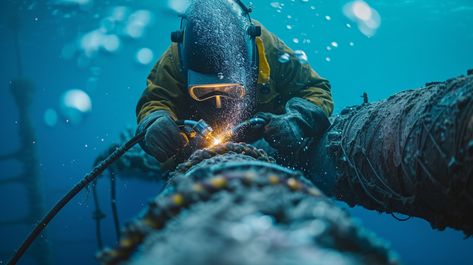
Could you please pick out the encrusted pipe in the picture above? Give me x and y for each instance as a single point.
(232, 205)
(410, 154)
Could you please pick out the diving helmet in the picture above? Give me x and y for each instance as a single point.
(217, 50)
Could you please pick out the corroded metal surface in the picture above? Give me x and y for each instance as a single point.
(412, 154)
(231, 205)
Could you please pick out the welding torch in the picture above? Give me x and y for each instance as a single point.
(249, 129)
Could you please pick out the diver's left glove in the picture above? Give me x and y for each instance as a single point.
(163, 139)
(290, 132)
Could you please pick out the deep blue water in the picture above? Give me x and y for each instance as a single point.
(417, 41)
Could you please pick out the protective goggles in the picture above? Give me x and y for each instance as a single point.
(218, 91)
(208, 91)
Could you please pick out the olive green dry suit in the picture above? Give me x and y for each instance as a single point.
(278, 82)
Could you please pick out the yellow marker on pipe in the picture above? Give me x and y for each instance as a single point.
(218, 102)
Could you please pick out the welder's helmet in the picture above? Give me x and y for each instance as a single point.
(217, 49)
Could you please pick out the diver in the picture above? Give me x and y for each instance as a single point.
(223, 67)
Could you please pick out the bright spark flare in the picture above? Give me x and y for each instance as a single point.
(217, 141)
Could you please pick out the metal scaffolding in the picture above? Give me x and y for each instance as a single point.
(29, 179)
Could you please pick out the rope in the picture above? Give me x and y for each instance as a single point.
(401, 219)
(426, 137)
(89, 178)
(377, 185)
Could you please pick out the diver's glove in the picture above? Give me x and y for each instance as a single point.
(290, 132)
(163, 138)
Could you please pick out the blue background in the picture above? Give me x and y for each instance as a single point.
(418, 41)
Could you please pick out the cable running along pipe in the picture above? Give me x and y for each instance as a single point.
(97, 171)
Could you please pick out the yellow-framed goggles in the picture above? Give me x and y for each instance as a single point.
(218, 91)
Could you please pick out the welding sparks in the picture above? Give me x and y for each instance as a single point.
(217, 141)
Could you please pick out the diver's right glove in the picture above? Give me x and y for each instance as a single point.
(163, 139)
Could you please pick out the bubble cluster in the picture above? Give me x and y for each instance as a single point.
(137, 23)
(95, 41)
(367, 18)
(277, 5)
(364, 16)
(121, 23)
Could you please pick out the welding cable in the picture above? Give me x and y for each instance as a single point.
(89, 178)
(98, 215)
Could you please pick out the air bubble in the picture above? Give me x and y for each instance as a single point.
(75, 104)
(301, 56)
(284, 58)
(145, 56)
(50, 117)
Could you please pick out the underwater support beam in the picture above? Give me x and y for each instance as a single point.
(10, 180)
(22, 91)
(8, 157)
(411, 154)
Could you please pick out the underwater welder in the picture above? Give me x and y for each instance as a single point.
(223, 67)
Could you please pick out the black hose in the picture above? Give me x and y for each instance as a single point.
(97, 171)
(98, 215)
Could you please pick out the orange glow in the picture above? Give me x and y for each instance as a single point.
(218, 139)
